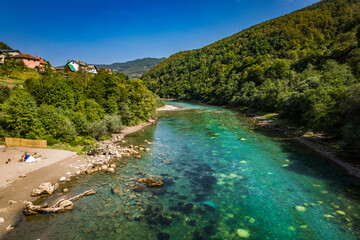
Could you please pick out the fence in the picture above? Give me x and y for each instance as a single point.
(21, 142)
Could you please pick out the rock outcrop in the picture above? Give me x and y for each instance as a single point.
(44, 189)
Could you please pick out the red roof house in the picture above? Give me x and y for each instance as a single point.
(29, 61)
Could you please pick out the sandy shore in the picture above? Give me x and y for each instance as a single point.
(18, 179)
(14, 169)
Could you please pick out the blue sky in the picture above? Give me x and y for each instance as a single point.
(107, 31)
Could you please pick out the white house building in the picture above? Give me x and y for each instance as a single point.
(75, 66)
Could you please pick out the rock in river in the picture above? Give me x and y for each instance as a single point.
(151, 182)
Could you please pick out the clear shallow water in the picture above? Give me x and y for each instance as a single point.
(224, 175)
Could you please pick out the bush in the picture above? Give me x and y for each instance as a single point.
(91, 109)
(113, 123)
(98, 129)
(127, 116)
(21, 113)
(81, 123)
(159, 102)
(56, 123)
(4, 93)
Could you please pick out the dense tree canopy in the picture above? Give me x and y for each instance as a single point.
(5, 46)
(303, 65)
(74, 108)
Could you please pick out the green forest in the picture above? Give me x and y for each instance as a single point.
(304, 66)
(74, 108)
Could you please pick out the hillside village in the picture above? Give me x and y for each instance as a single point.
(40, 64)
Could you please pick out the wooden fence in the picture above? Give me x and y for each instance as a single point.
(29, 143)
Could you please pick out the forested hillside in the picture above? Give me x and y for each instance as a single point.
(133, 69)
(4, 46)
(304, 65)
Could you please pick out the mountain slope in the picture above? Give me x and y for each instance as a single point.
(5, 46)
(133, 69)
(304, 65)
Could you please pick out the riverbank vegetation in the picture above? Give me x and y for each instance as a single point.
(74, 108)
(304, 65)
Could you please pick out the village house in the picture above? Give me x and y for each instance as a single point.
(29, 61)
(75, 66)
(4, 53)
(10, 53)
(2, 58)
(43, 63)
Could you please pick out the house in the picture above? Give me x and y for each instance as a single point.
(10, 53)
(29, 61)
(92, 69)
(2, 58)
(106, 70)
(43, 63)
(76, 66)
(4, 53)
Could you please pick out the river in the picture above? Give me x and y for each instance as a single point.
(224, 178)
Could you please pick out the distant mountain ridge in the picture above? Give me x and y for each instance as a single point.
(133, 69)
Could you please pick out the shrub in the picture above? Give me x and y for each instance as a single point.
(56, 123)
(4, 93)
(127, 116)
(113, 123)
(98, 129)
(159, 102)
(21, 113)
(80, 122)
(91, 109)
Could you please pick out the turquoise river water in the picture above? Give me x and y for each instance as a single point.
(224, 178)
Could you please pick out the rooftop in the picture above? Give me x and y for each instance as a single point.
(24, 55)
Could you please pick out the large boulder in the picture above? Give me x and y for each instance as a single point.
(43, 189)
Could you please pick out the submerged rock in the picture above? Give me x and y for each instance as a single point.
(210, 229)
(300, 208)
(166, 221)
(341, 212)
(188, 208)
(243, 233)
(140, 188)
(116, 190)
(151, 182)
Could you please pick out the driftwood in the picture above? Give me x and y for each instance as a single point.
(59, 206)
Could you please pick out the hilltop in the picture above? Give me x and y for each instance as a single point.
(133, 69)
(304, 66)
